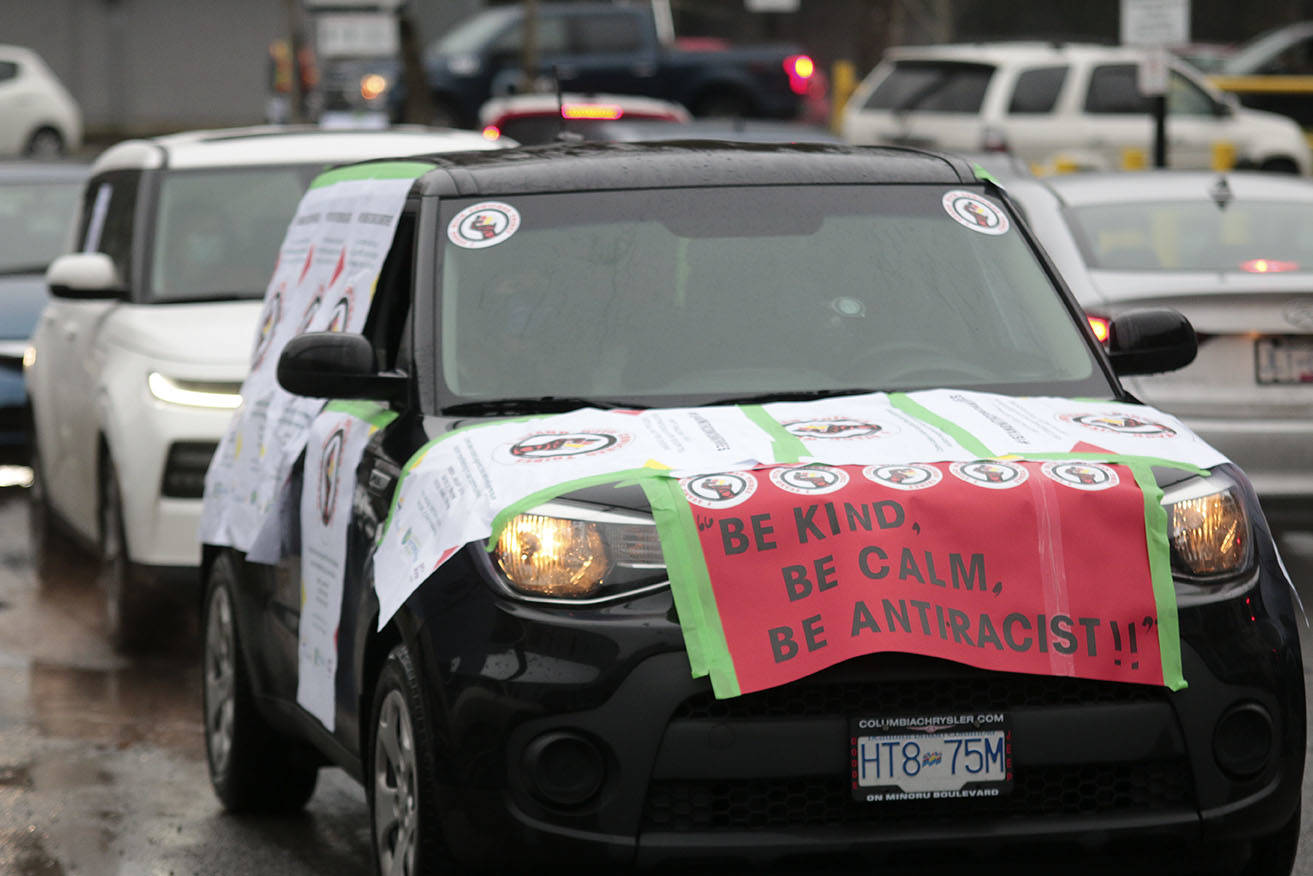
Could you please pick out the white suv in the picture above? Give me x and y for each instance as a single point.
(137, 361)
(1042, 100)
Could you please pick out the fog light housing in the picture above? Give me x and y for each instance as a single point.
(1242, 740)
(564, 769)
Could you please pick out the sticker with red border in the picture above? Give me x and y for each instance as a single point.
(482, 225)
(1081, 475)
(551, 445)
(992, 474)
(909, 476)
(975, 212)
(724, 490)
(1121, 424)
(809, 480)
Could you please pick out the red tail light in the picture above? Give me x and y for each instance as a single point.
(1100, 325)
(800, 69)
(491, 132)
(607, 111)
(1267, 266)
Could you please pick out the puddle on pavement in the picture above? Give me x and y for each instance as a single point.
(22, 853)
(150, 702)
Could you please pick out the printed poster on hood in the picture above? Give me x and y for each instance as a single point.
(324, 280)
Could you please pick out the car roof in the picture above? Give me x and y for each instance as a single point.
(618, 166)
(282, 145)
(1015, 53)
(1082, 189)
(20, 172)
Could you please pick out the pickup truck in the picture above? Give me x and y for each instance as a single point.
(597, 47)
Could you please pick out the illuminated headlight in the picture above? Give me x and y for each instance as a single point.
(373, 86)
(194, 394)
(574, 552)
(1208, 529)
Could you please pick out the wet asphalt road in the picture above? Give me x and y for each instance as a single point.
(102, 766)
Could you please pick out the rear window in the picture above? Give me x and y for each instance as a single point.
(1113, 90)
(1037, 90)
(933, 86)
(1254, 237)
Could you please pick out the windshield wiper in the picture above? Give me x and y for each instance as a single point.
(544, 404)
(791, 395)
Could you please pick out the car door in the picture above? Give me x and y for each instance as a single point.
(68, 424)
(1117, 118)
(1033, 129)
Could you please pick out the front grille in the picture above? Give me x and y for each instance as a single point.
(184, 469)
(1038, 792)
(963, 692)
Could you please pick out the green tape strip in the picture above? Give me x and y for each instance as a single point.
(1160, 569)
(983, 174)
(372, 413)
(970, 442)
(373, 170)
(1125, 459)
(546, 494)
(699, 617)
(787, 447)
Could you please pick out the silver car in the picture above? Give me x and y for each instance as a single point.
(1234, 253)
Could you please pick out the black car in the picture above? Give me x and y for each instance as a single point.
(500, 717)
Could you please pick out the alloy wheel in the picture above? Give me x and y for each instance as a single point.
(396, 809)
(220, 647)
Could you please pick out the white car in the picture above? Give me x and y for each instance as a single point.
(38, 117)
(1044, 100)
(137, 361)
(1232, 252)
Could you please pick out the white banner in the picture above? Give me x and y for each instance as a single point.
(323, 281)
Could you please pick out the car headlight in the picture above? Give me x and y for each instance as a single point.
(563, 551)
(373, 86)
(1208, 529)
(194, 393)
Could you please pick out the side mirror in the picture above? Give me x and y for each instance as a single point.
(336, 365)
(1151, 341)
(85, 275)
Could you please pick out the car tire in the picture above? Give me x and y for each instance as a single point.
(45, 143)
(1274, 855)
(253, 768)
(129, 606)
(1279, 165)
(401, 780)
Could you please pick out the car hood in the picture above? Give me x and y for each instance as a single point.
(22, 296)
(209, 333)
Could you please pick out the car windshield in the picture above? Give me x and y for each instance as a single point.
(35, 219)
(472, 35)
(217, 232)
(1253, 236)
(714, 294)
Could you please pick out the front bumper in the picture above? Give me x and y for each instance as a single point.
(582, 732)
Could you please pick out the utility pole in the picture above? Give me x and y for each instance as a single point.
(529, 56)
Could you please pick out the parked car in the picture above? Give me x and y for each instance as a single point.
(529, 119)
(1233, 254)
(528, 697)
(138, 357)
(38, 117)
(37, 204)
(1270, 72)
(594, 47)
(1040, 99)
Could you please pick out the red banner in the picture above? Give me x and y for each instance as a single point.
(1011, 566)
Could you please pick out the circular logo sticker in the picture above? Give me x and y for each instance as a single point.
(912, 476)
(330, 465)
(341, 313)
(990, 473)
(833, 427)
(809, 480)
(1121, 424)
(1081, 475)
(975, 212)
(309, 315)
(557, 445)
(719, 490)
(483, 225)
(273, 314)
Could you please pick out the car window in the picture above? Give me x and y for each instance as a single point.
(552, 38)
(8, 70)
(217, 232)
(932, 86)
(1037, 90)
(34, 223)
(1185, 98)
(1113, 90)
(471, 35)
(1255, 237)
(1294, 60)
(109, 208)
(717, 293)
(607, 34)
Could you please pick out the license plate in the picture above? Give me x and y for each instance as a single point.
(925, 757)
(1284, 360)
